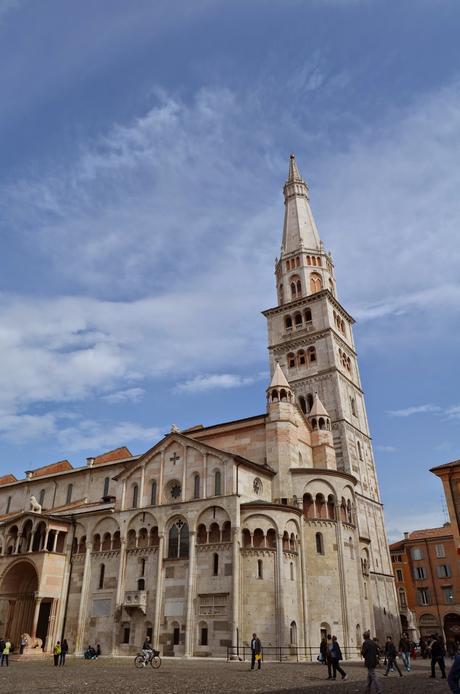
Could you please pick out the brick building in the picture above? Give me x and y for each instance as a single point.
(427, 575)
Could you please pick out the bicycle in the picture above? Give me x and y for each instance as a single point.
(154, 659)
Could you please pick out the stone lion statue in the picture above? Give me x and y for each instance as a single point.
(34, 505)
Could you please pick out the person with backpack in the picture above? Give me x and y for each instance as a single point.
(391, 654)
(57, 653)
(336, 657)
(438, 653)
(6, 652)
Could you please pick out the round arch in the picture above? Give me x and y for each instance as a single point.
(18, 586)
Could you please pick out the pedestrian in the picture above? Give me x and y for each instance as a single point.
(454, 676)
(64, 651)
(404, 648)
(22, 644)
(437, 656)
(6, 652)
(423, 648)
(391, 654)
(57, 653)
(336, 657)
(256, 652)
(98, 650)
(323, 651)
(369, 651)
(329, 656)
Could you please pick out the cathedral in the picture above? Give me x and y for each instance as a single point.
(270, 524)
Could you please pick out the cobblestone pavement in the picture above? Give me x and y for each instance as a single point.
(117, 676)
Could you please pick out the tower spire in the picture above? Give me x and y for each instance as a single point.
(299, 230)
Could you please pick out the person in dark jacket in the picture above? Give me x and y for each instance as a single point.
(336, 657)
(391, 655)
(256, 652)
(454, 676)
(369, 651)
(64, 651)
(323, 651)
(404, 648)
(438, 653)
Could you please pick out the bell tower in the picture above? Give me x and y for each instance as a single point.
(310, 335)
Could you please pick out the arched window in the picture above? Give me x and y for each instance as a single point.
(226, 531)
(319, 543)
(196, 486)
(311, 354)
(316, 283)
(271, 539)
(178, 544)
(246, 538)
(350, 544)
(293, 290)
(153, 493)
(203, 634)
(101, 576)
(135, 496)
(69, 493)
(41, 498)
(307, 315)
(140, 584)
(291, 360)
(353, 407)
(288, 322)
(214, 532)
(288, 264)
(309, 401)
(360, 453)
(318, 260)
(308, 506)
(298, 319)
(201, 535)
(215, 564)
(308, 260)
(313, 261)
(116, 543)
(402, 598)
(297, 262)
(106, 486)
(258, 538)
(299, 288)
(293, 634)
(291, 571)
(301, 358)
(260, 568)
(106, 542)
(303, 404)
(217, 483)
(96, 543)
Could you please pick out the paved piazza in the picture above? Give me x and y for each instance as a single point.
(116, 676)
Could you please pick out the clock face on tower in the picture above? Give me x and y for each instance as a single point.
(176, 491)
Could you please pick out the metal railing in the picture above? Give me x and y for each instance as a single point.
(282, 654)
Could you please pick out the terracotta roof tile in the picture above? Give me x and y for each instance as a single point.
(430, 532)
(60, 466)
(117, 454)
(6, 479)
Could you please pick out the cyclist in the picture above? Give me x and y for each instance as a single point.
(147, 650)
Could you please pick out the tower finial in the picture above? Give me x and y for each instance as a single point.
(294, 173)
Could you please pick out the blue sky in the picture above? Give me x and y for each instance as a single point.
(143, 151)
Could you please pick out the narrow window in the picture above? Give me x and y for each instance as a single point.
(309, 401)
(135, 496)
(204, 636)
(101, 576)
(126, 632)
(288, 322)
(215, 564)
(298, 319)
(307, 315)
(260, 569)
(153, 493)
(311, 354)
(291, 360)
(176, 636)
(8, 504)
(106, 486)
(291, 570)
(319, 544)
(141, 584)
(293, 290)
(217, 483)
(360, 453)
(303, 404)
(142, 567)
(196, 487)
(69, 493)
(353, 407)
(41, 498)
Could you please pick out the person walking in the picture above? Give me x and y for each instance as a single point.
(454, 676)
(64, 651)
(336, 657)
(369, 651)
(6, 652)
(404, 648)
(57, 653)
(22, 644)
(329, 656)
(438, 653)
(323, 651)
(391, 654)
(256, 652)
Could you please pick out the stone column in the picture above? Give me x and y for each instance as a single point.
(56, 533)
(184, 475)
(160, 483)
(141, 488)
(31, 541)
(36, 614)
(236, 586)
(83, 600)
(45, 544)
(51, 636)
(18, 542)
(189, 633)
(121, 573)
(303, 584)
(65, 587)
(281, 627)
(341, 572)
(158, 594)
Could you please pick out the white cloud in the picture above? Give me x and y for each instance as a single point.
(98, 435)
(205, 382)
(415, 409)
(385, 449)
(123, 396)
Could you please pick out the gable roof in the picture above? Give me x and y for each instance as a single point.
(7, 479)
(60, 466)
(117, 454)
